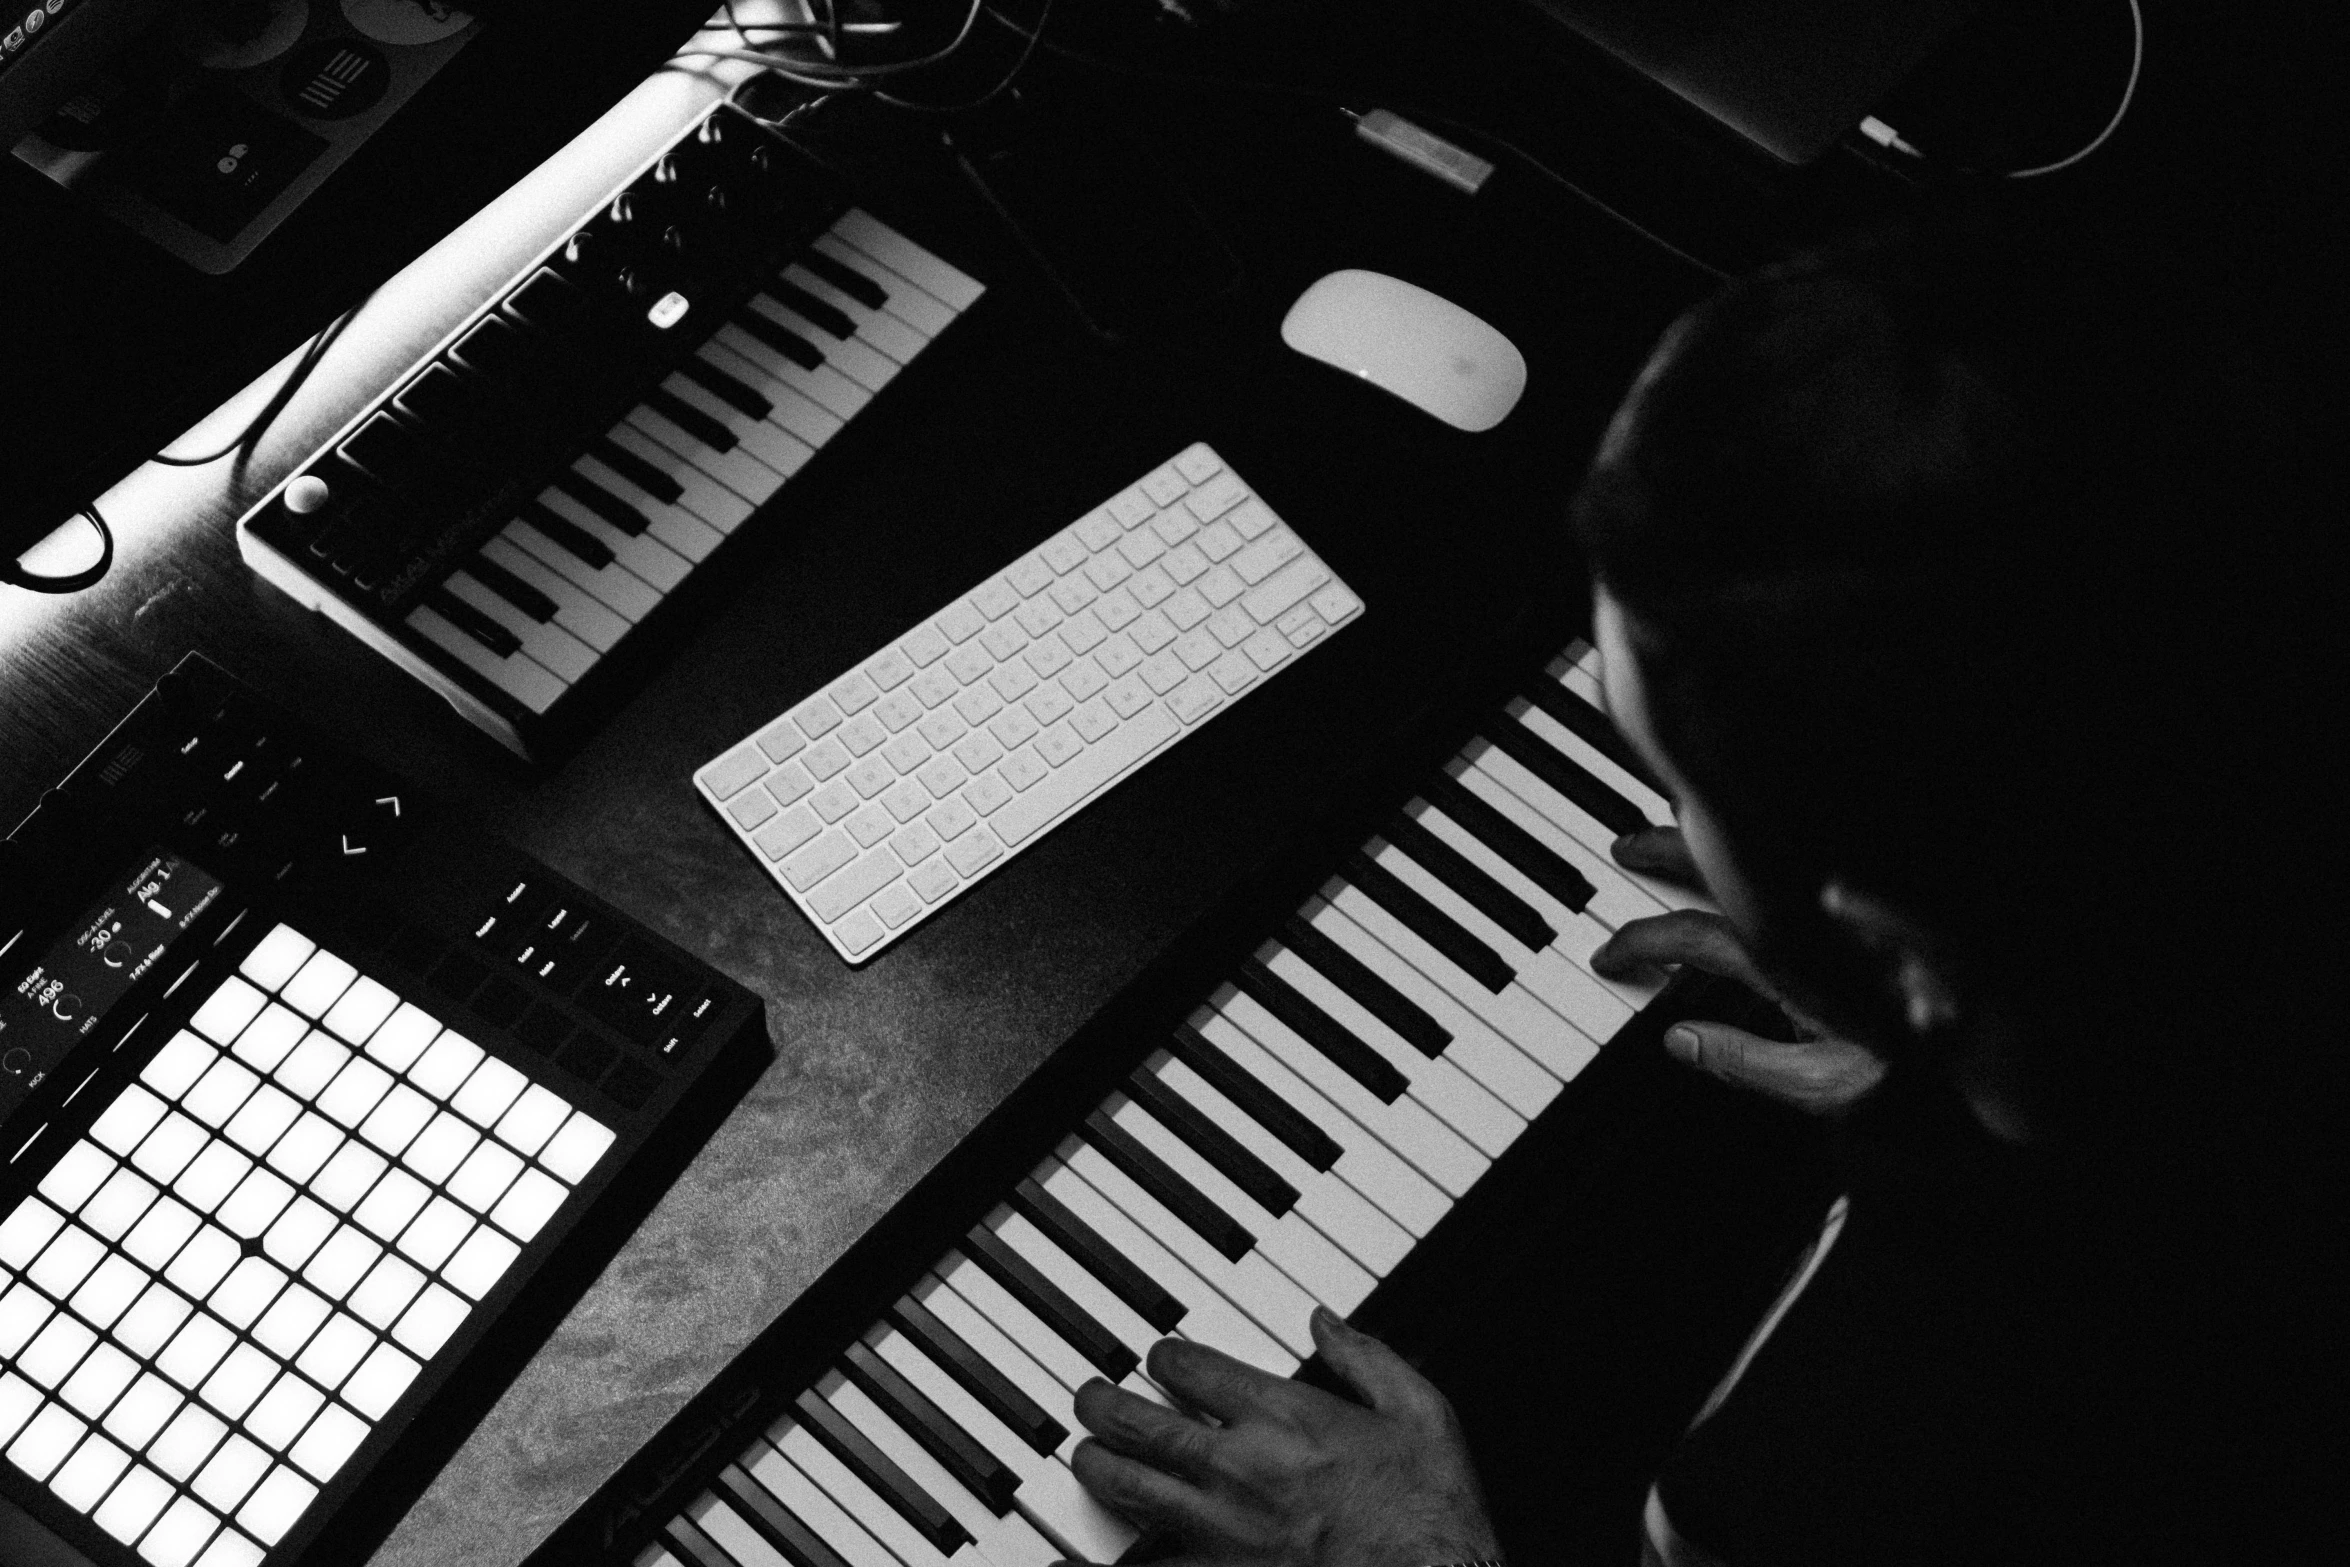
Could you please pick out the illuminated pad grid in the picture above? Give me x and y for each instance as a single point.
(213, 1297)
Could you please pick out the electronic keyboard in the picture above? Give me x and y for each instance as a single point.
(1211, 1163)
(310, 1099)
(515, 519)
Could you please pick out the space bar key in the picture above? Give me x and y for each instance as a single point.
(1072, 784)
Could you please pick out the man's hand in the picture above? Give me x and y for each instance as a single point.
(1281, 1473)
(1818, 1073)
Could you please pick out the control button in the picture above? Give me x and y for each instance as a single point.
(307, 494)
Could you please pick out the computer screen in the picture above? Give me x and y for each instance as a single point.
(194, 203)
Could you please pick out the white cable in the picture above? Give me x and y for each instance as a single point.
(2129, 91)
(823, 73)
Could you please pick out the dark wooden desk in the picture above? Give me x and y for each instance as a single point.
(1013, 426)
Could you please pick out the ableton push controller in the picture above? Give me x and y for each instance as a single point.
(302, 1086)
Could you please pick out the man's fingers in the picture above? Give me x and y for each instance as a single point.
(1148, 1497)
(1141, 1429)
(1819, 1075)
(1705, 941)
(1660, 852)
(1384, 1378)
(1210, 1380)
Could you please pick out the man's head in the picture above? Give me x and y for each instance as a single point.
(1886, 550)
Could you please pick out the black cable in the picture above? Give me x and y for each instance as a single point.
(277, 399)
(72, 582)
(1033, 34)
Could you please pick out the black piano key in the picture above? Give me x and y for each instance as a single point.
(1374, 994)
(1263, 1106)
(725, 387)
(1045, 1298)
(603, 503)
(779, 337)
(566, 533)
(776, 1524)
(1541, 865)
(1594, 726)
(957, 1450)
(698, 1549)
(1212, 1143)
(472, 622)
(1319, 1029)
(997, 1393)
(1425, 920)
(1545, 762)
(864, 290)
(636, 470)
(823, 317)
(1482, 893)
(1104, 1261)
(870, 1464)
(690, 419)
(1177, 1195)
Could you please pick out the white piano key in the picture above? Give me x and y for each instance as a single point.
(1580, 931)
(1406, 1126)
(744, 357)
(1007, 1541)
(1509, 1074)
(1048, 1493)
(618, 589)
(979, 1290)
(908, 301)
(1073, 1279)
(678, 527)
(738, 470)
(1578, 939)
(713, 1512)
(1559, 1048)
(1514, 1013)
(704, 496)
(859, 361)
(547, 643)
(848, 1535)
(1325, 1201)
(801, 1449)
(825, 385)
(1269, 1296)
(901, 255)
(1594, 761)
(1301, 1252)
(1570, 818)
(517, 674)
(1209, 1317)
(992, 1345)
(1368, 1165)
(1571, 992)
(1450, 1093)
(773, 445)
(878, 329)
(643, 554)
(1616, 899)
(576, 610)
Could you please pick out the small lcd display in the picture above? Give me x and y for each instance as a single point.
(65, 995)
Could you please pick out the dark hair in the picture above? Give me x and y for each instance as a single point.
(1945, 572)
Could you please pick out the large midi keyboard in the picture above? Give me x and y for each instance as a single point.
(308, 1097)
(513, 520)
(1296, 1138)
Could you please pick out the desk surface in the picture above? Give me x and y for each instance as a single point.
(1012, 426)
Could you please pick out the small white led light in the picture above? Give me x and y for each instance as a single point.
(668, 310)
